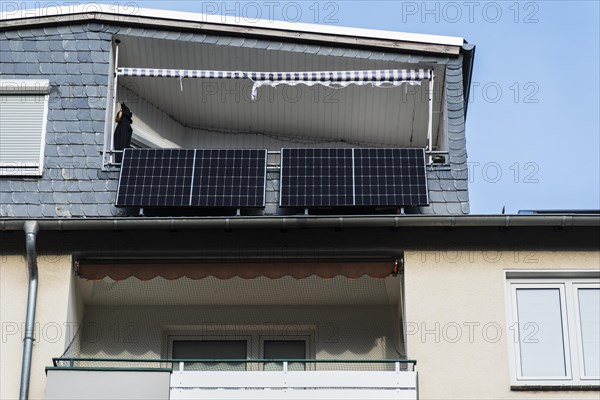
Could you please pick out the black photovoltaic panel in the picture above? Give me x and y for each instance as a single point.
(390, 177)
(196, 178)
(353, 177)
(316, 177)
(155, 178)
(229, 178)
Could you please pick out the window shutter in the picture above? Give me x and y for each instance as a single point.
(22, 122)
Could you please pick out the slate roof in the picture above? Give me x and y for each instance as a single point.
(75, 58)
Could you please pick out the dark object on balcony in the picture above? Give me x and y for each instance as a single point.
(123, 132)
(439, 159)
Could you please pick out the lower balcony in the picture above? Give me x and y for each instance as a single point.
(227, 379)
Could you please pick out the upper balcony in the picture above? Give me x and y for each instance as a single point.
(198, 96)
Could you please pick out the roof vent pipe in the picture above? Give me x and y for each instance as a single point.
(31, 229)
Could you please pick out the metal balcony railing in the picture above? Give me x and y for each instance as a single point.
(240, 379)
(234, 364)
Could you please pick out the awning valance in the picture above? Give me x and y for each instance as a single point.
(174, 269)
(336, 79)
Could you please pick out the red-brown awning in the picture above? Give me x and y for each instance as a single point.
(148, 269)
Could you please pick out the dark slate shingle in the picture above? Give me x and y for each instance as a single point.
(461, 184)
(85, 186)
(98, 125)
(87, 127)
(48, 210)
(90, 209)
(19, 69)
(436, 196)
(15, 45)
(12, 35)
(47, 198)
(5, 197)
(98, 186)
(99, 56)
(454, 208)
(32, 69)
(97, 115)
(45, 57)
(59, 186)
(450, 196)
(45, 185)
(18, 57)
(21, 210)
(18, 198)
(84, 56)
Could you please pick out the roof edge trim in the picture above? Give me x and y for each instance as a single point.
(301, 222)
(178, 19)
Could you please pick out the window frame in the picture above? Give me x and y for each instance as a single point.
(309, 342)
(307, 339)
(576, 287)
(203, 338)
(28, 87)
(565, 331)
(567, 282)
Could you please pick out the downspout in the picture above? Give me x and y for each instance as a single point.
(31, 229)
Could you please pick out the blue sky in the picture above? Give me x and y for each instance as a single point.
(533, 132)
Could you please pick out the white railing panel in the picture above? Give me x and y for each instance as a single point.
(293, 394)
(351, 379)
(294, 379)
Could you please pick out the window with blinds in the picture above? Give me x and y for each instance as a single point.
(23, 116)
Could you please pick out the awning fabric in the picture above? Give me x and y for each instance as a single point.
(168, 269)
(336, 79)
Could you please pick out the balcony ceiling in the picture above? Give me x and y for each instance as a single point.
(362, 115)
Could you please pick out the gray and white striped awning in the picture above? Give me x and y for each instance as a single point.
(336, 79)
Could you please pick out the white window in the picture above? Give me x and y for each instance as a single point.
(556, 328)
(23, 116)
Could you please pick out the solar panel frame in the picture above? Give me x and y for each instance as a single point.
(143, 182)
(381, 177)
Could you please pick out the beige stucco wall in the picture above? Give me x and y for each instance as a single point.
(456, 320)
(52, 325)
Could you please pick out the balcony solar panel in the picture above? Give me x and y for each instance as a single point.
(366, 177)
(229, 178)
(316, 177)
(155, 178)
(192, 178)
(390, 177)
